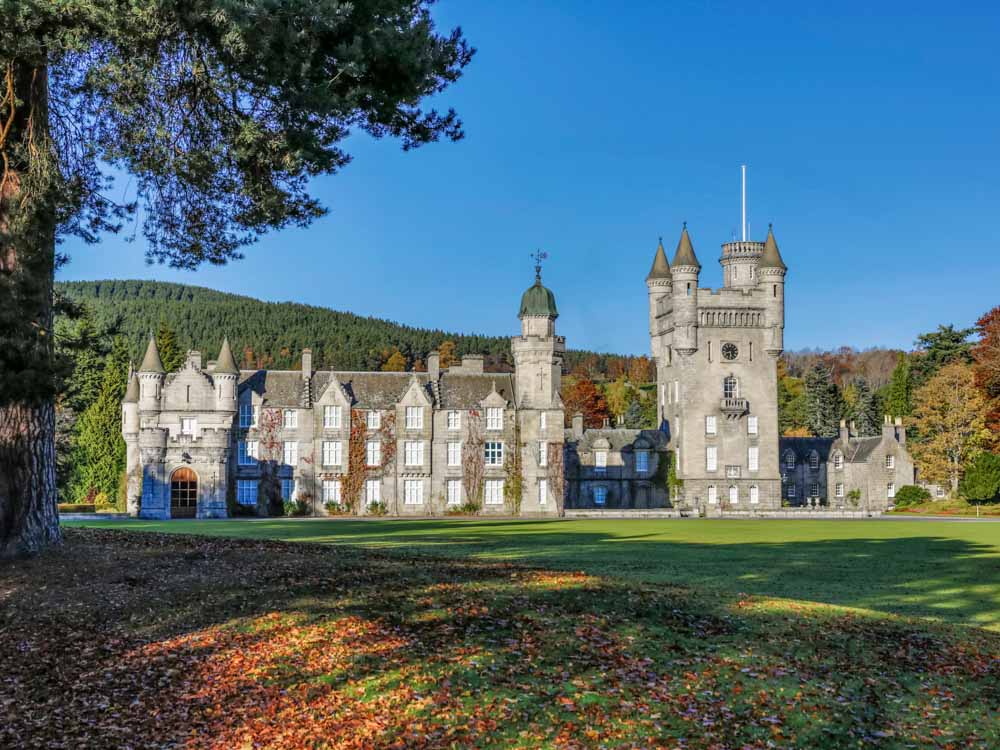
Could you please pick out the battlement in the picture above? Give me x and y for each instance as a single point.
(727, 296)
(206, 437)
(742, 249)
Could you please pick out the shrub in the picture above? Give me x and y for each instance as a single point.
(377, 509)
(910, 494)
(76, 508)
(295, 508)
(466, 509)
(336, 509)
(981, 483)
(240, 510)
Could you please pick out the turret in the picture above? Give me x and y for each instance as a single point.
(771, 270)
(225, 376)
(151, 376)
(684, 272)
(130, 405)
(658, 284)
(739, 264)
(538, 352)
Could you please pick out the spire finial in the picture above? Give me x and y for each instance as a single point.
(684, 225)
(538, 256)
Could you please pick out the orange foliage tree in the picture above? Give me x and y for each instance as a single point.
(581, 396)
(986, 368)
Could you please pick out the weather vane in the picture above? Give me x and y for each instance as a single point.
(538, 257)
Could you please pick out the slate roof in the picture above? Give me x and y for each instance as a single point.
(771, 257)
(225, 364)
(661, 268)
(132, 392)
(618, 438)
(684, 256)
(152, 362)
(379, 390)
(278, 387)
(858, 449)
(469, 391)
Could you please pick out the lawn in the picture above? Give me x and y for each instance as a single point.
(142, 640)
(949, 571)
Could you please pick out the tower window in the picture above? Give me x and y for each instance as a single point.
(730, 388)
(689, 289)
(774, 290)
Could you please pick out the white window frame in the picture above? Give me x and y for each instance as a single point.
(454, 420)
(373, 491)
(711, 425)
(373, 419)
(189, 426)
(247, 451)
(752, 425)
(734, 494)
(543, 454)
(413, 453)
(454, 453)
(601, 462)
(333, 453)
(454, 490)
(290, 453)
(890, 490)
(890, 462)
(494, 418)
(493, 452)
(838, 461)
(543, 491)
(814, 461)
(331, 417)
(713, 494)
(838, 489)
(753, 458)
(814, 489)
(373, 453)
(728, 392)
(290, 419)
(493, 492)
(287, 489)
(248, 415)
(246, 491)
(414, 417)
(711, 458)
(789, 460)
(542, 420)
(642, 461)
(331, 491)
(413, 492)
(754, 494)
(790, 491)
(600, 496)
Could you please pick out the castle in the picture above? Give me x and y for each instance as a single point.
(212, 438)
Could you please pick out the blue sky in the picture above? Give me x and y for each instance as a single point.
(592, 128)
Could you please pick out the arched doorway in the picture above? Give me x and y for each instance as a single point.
(183, 493)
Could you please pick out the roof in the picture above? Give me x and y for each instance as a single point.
(771, 257)
(152, 362)
(661, 268)
(802, 447)
(684, 255)
(469, 391)
(618, 438)
(225, 364)
(859, 449)
(278, 387)
(132, 392)
(538, 300)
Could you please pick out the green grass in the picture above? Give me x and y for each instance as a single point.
(946, 571)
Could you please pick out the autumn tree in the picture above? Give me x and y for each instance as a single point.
(395, 363)
(641, 370)
(219, 113)
(447, 354)
(986, 368)
(581, 396)
(618, 395)
(949, 413)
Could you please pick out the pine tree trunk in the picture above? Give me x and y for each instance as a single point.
(29, 519)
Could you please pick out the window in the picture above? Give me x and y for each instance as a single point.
(601, 462)
(247, 450)
(709, 351)
(791, 490)
(542, 420)
(754, 494)
(734, 494)
(713, 495)
(290, 419)
(838, 460)
(839, 489)
(814, 460)
(543, 491)
(732, 471)
(890, 490)
(677, 391)
(789, 460)
(751, 425)
(246, 491)
(454, 420)
(642, 461)
(494, 453)
(413, 492)
(189, 426)
(454, 492)
(373, 419)
(373, 453)
(730, 387)
(291, 453)
(890, 462)
(455, 453)
(600, 495)
(413, 453)
(287, 489)
(331, 491)
(710, 425)
(711, 458)
(248, 415)
(939, 491)
(331, 417)
(494, 418)
(332, 453)
(543, 453)
(493, 492)
(414, 417)
(753, 458)
(373, 491)
(814, 490)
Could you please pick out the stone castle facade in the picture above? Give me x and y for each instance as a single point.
(210, 438)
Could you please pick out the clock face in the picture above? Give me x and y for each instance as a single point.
(729, 351)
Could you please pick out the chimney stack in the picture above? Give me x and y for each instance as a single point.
(578, 426)
(900, 431)
(307, 363)
(433, 366)
(845, 435)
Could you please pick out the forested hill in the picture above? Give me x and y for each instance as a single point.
(273, 334)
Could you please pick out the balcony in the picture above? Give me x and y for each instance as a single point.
(734, 407)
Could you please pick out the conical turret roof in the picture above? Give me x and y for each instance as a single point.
(684, 256)
(661, 268)
(771, 258)
(132, 392)
(152, 362)
(226, 364)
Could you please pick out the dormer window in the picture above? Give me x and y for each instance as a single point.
(789, 460)
(494, 418)
(838, 460)
(814, 460)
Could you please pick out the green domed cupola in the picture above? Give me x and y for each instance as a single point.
(538, 300)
